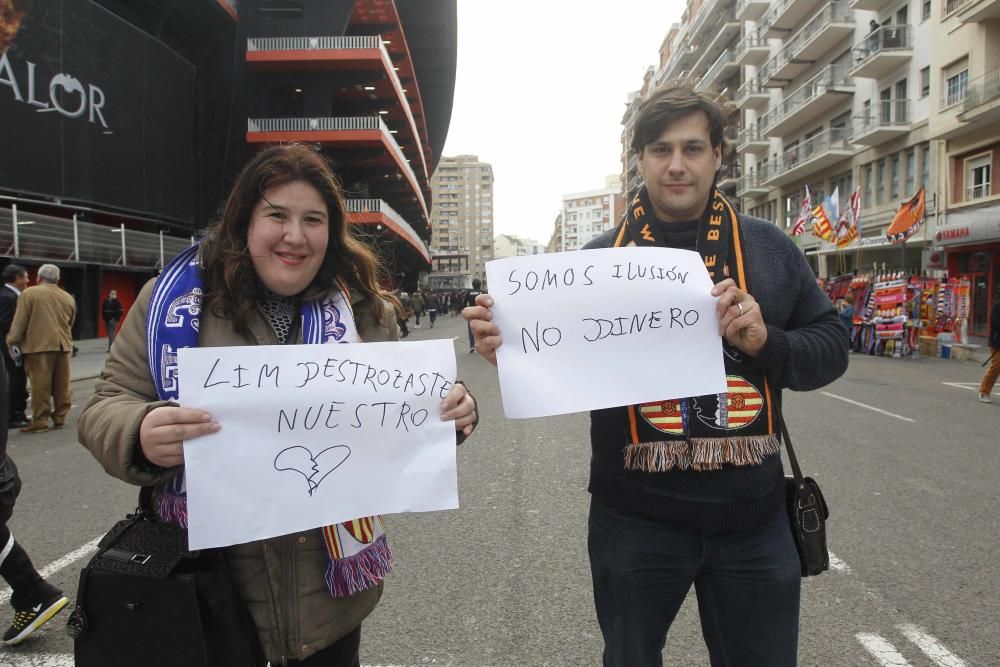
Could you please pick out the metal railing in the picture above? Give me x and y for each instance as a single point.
(749, 87)
(46, 237)
(313, 43)
(884, 38)
(828, 77)
(724, 59)
(955, 95)
(887, 113)
(833, 12)
(771, 15)
(704, 12)
(750, 41)
(982, 90)
(952, 6)
(977, 191)
(832, 138)
(750, 133)
(380, 206)
(334, 125)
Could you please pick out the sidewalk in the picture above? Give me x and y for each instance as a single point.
(89, 361)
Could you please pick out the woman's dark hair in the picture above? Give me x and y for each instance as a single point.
(670, 104)
(232, 286)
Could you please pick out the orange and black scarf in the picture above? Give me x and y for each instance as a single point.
(702, 432)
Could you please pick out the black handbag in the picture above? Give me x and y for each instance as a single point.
(807, 512)
(144, 599)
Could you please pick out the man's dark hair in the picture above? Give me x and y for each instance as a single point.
(670, 104)
(11, 272)
(476, 283)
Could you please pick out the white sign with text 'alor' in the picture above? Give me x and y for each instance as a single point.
(601, 328)
(314, 435)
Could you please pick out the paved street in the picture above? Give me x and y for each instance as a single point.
(505, 581)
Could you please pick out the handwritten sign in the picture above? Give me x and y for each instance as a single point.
(314, 435)
(594, 329)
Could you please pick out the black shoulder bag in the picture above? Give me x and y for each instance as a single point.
(807, 512)
(144, 599)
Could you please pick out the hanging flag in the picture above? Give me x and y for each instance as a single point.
(908, 218)
(850, 227)
(825, 215)
(805, 215)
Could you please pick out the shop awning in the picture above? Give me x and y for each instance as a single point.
(970, 226)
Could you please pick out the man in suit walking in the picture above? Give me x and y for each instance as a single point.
(42, 329)
(15, 279)
(111, 313)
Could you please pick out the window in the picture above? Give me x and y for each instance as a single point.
(978, 174)
(925, 82)
(880, 183)
(894, 180)
(911, 168)
(956, 86)
(843, 184)
(903, 15)
(868, 185)
(925, 171)
(926, 10)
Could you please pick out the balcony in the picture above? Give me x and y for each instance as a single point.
(366, 134)
(752, 50)
(730, 174)
(752, 184)
(698, 31)
(813, 155)
(978, 191)
(831, 25)
(871, 5)
(750, 140)
(717, 40)
(889, 120)
(783, 16)
(377, 212)
(883, 51)
(828, 89)
(751, 95)
(362, 54)
(720, 71)
(982, 100)
(751, 10)
(973, 11)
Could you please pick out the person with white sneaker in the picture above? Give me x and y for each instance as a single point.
(993, 371)
(35, 600)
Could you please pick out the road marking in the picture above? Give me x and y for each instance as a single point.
(868, 407)
(972, 386)
(931, 647)
(58, 565)
(881, 650)
(838, 564)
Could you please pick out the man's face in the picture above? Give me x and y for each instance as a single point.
(21, 282)
(679, 169)
(112, 294)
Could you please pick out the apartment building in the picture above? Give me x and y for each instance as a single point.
(508, 245)
(461, 218)
(584, 215)
(882, 95)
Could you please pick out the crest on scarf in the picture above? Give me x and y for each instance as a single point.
(666, 416)
(735, 409)
(333, 328)
(190, 302)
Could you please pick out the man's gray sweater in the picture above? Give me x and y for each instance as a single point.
(806, 349)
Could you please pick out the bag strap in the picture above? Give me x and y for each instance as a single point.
(796, 471)
(146, 500)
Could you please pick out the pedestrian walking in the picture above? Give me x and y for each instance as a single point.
(432, 303)
(15, 279)
(417, 300)
(993, 363)
(470, 301)
(42, 329)
(703, 504)
(111, 313)
(307, 594)
(35, 600)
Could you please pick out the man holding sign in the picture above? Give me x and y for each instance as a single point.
(688, 489)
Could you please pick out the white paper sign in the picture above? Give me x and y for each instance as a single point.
(314, 435)
(594, 329)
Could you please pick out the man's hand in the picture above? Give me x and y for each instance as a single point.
(164, 429)
(458, 405)
(480, 319)
(740, 319)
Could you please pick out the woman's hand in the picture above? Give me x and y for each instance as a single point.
(486, 334)
(164, 429)
(458, 405)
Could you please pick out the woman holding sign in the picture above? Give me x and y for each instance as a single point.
(282, 266)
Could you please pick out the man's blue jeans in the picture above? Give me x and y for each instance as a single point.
(747, 585)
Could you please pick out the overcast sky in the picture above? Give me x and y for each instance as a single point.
(540, 93)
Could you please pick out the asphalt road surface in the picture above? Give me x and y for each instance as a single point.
(908, 461)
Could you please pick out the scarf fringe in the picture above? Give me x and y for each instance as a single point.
(700, 453)
(353, 574)
(173, 508)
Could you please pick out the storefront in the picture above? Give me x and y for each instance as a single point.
(971, 242)
(872, 254)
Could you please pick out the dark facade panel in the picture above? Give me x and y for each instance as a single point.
(96, 111)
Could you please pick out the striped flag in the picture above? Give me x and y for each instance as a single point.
(805, 215)
(824, 216)
(850, 227)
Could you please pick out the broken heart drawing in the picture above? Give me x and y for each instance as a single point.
(314, 467)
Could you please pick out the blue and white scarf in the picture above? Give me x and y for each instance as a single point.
(358, 550)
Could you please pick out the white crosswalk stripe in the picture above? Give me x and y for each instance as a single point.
(931, 647)
(62, 660)
(881, 650)
(58, 565)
